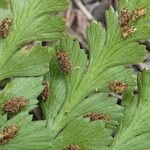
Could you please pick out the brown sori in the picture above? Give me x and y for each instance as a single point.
(45, 93)
(15, 105)
(139, 12)
(124, 17)
(64, 62)
(97, 116)
(73, 147)
(5, 27)
(118, 87)
(9, 132)
(128, 30)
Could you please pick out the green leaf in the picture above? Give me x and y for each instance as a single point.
(4, 9)
(31, 19)
(133, 4)
(55, 78)
(134, 131)
(112, 49)
(32, 62)
(28, 88)
(3, 120)
(78, 61)
(4, 13)
(3, 4)
(89, 136)
(76, 92)
(119, 73)
(63, 87)
(102, 104)
(30, 136)
(30, 22)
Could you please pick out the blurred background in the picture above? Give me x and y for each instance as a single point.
(81, 12)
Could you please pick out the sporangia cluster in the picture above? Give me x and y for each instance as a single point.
(118, 87)
(5, 27)
(45, 93)
(127, 19)
(64, 62)
(97, 116)
(9, 132)
(14, 105)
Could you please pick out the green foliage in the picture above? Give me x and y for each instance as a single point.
(86, 136)
(76, 94)
(30, 22)
(4, 11)
(31, 135)
(134, 131)
(23, 58)
(83, 90)
(22, 87)
(3, 4)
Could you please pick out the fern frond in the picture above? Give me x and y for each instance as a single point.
(30, 135)
(73, 93)
(30, 22)
(83, 134)
(20, 88)
(134, 131)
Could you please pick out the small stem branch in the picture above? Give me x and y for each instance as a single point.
(84, 9)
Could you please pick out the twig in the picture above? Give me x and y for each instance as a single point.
(84, 9)
(143, 66)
